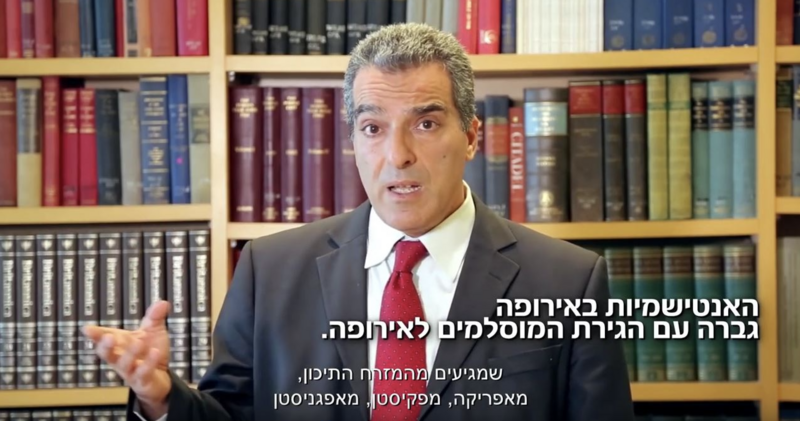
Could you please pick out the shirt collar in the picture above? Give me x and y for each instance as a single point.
(446, 243)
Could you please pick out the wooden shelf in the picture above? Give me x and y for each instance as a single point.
(695, 391)
(574, 230)
(110, 66)
(104, 214)
(787, 54)
(509, 64)
(789, 392)
(38, 398)
(787, 205)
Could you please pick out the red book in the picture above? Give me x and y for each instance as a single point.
(3, 34)
(120, 13)
(291, 160)
(51, 141)
(271, 205)
(70, 147)
(784, 22)
(516, 164)
(43, 17)
(162, 18)
(349, 192)
(87, 167)
(489, 27)
(467, 33)
(317, 146)
(144, 28)
(192, 27)
(28, 29)
(8, 143)
(245, 154)
(14, 29)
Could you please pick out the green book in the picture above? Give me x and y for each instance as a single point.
(657, 153)
(679, 285)
(648, 282)
(709, 284)
(679, 139)
(620, 282)
(740, 283)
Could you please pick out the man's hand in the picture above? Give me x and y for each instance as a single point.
(140, 357)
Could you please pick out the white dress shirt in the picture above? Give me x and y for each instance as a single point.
(435, 277)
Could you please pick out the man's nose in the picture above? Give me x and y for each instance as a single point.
(400, 148)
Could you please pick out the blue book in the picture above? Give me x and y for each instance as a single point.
(647, 19)
(678, 24)
(105, 28)
(154, 136)
(618, 25)
(709, 23)
(86, 28)
(508, 27)
(475, 170)
(497, 181)
(180, 176)
(700, 158)
(744, 149)
(720, 149)
(740, 26)
(109, 167)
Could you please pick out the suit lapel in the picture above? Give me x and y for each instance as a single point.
(485, 277)
(344, 292)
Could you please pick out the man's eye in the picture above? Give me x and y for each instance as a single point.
(370, 129)
(427, 125)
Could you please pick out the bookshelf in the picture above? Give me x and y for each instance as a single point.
(768, 391)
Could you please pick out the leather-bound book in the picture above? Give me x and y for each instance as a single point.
(67, 313)
(43, 27)
(636, 149)
(260, 24)
(165, 37)
(316, 35)
(109, 168)
(144, 30)
(192, 27)
(243, 27)
(13, 28)
(4, 33)
(8, 143)
(497, 145)
(88, 307)
(245, 154)
(105, 28)
(279, 26)
(86, 28)
(68, 36)
(349, 192)
(26, 311)
(110, 294)
(614, 149)
(8, 315)
(318, 143)
(177, 263)
(586, 151)
(291, 162)
(297, 27)
(70, 147)
(336, 27)
(51, 141)
(87, 138)
(356, 22)
(377, 14)
(517, 211)
(271, 201)
(199, 303)
(28, 29)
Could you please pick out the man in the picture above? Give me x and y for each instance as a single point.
(422, 248)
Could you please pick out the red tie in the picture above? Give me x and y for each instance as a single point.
(401, 303)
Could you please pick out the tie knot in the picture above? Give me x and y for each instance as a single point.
(408, 254)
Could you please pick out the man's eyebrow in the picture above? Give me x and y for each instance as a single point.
(428, 108)
(368, 108)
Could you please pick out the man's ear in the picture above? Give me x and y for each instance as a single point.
(472, 138)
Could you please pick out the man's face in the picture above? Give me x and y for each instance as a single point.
(409, 146)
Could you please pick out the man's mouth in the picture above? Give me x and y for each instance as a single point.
(404, 188)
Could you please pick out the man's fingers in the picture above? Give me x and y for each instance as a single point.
(95, 333)
(156, 314)
(143, 374)
(127, 362)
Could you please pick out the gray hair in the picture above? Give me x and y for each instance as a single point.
(401, 46)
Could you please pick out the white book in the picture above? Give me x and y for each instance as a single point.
(522, 26)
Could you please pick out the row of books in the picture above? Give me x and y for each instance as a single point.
(697, 411)
(65, 142)
(56, 280)
(103, 28)
(787, 131)
(681, 269)
(89, 413)
(788, 274)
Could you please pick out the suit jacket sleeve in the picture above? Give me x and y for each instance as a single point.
(599, 384)
(225, 393)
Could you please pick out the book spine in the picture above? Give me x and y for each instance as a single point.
(109, 172)
(586, 151)
(316, 33)
(131, 28)
(3, 33)
(177, 263)
(709, 285)
(154, 138)
(648, 283)
(489, 20)
(647, 18)
(467, 24)
(110, 254)
(740, 25)
(87, 28)
(678, 23)
(508, 26)
(133, 280)
(199, 138)
(297, 27)
(783, 130)
(243, 27)
(192, 27)
(119, 27)
(617, 25)
(260, 24)
(279, 27)
(795, 141)
(88, 308)
(105, 28)
(155, 284)
(164, 31)
(433, 14)
(614, 150)
(8, 316)
(475, 169)
(246, 162)
(317, 156)
(377, 15)
(26, 311)
(357, 22)
(200, 303)
(700, 152)
(144, 31)
(179, 167)
(87, 172)
(620, 284)
(8, 143)
(744, 149)
(740, 284)
(67, 31)
(43, 27)
(14, 28)
(352, 193)
(720, 149)
(51, 141)
(70, 148)
(399, 8)
(28, 29)
(291, 163)
(547, 151)
(415, 12)
(679, 145)
(336, 27)
(68, 287)
(636, 149)
(29, 142)
(129, 145)
(657, 144)
(450, 16)
(784, 22)
(47, 311)
(709, 23)
(681, 352)
(271, 164)
(497, 153)
(516, 164)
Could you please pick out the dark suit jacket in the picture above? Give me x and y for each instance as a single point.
(287, 287)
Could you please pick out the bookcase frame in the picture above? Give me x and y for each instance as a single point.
(768, 391)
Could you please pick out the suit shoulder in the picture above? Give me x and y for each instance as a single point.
(553, 249)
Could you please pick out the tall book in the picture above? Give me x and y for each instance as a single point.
(8, 315)
(291, 160)
(29, 142)
(199, 302)
(177, 269)
(154, 138)
(179, 163)
(47, 285)
(620, 284)
(317, 154)
(709, 285)
(613, 149)
(199, 138)
(720, 141)
(740, 284)
(636, 163)
(681, 352)
(657, 147)
(8, 143)
(679, 145)
(586, 151)
(700, 151)
(648, 283)
(245, 156)
(110, 293)
(51, 141)
(271, 147)
(784, 98)
(336, 27)
(130, 147)
(496, 139)
(744, 149)
(26, 310)
(68, 309)
(87, 139)
(109, 165)
(88, 307)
